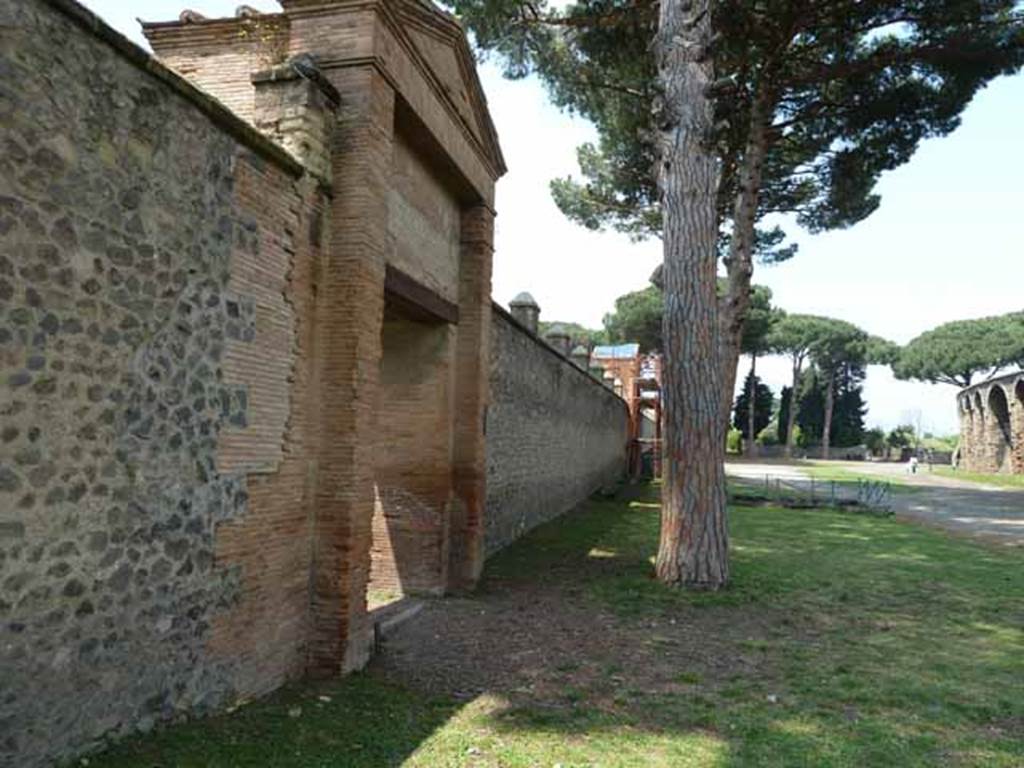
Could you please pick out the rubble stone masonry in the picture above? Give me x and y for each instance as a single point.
(155, 279)
(555, 434)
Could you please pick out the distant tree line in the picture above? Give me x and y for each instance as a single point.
(829, 360)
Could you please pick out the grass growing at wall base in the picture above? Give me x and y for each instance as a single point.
(845, 640)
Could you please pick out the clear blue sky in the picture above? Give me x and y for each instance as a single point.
(946, 244)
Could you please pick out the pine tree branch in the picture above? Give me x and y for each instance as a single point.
(609, 19)
(608, 86)
(950, 48)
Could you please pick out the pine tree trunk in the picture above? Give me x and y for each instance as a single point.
(693, 549)
(830, 402)
(728, 355)
(751, 403)
(794, 399)
(739, 263)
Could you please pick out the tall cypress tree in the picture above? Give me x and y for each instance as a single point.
(847, 422)
(785, 404)
(762, 411)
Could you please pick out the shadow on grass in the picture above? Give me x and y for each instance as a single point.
(844, 641)
(358, 721)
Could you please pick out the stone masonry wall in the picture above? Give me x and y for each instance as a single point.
(157, 260)
(992, 425)
(554, 434)
(197, 402)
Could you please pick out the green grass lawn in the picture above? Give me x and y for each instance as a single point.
(845, 640)
(828, 472)
(1002, 481)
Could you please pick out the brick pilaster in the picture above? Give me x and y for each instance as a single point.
(349, 322)
(978, 448)
(466, 553)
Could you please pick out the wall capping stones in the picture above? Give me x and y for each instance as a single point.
(552, 351)
(209, 106)
(304, 67)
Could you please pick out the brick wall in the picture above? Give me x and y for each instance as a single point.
(157, 258)
(554, 434)
(413, 461)
(264, 634)
(423, 221)
(220, 55)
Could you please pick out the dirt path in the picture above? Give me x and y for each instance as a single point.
(957, 505)
(543, 641)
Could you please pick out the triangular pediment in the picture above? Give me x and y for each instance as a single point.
(442, 46)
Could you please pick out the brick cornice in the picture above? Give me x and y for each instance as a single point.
(166, 35)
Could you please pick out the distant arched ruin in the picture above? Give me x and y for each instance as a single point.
(992, 425)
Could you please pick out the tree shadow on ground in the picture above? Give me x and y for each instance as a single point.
(360, 721)
(845, 640)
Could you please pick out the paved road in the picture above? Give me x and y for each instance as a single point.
(958, 505)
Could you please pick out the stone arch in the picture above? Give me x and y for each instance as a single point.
(1000, 429)
(1018, 427)
(968, 438)
(999, 406)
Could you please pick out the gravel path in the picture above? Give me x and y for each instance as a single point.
(957, 505)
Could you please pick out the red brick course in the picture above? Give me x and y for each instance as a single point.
(265, 634)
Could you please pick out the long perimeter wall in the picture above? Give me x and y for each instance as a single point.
(554, 433)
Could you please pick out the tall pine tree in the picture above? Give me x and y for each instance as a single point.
(813, 101)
